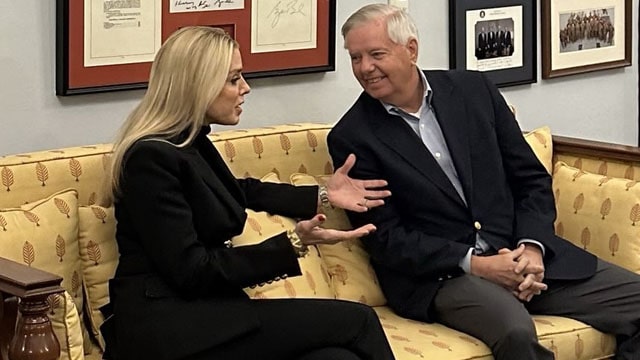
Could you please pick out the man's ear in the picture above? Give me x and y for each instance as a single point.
(412, 48)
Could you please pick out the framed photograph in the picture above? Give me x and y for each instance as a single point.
(585, 35)
(108, 45)
(497, 37)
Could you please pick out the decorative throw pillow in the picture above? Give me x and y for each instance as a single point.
(99, 254)
(542, 145)
(314, 282)
(67, 326)
(44, 235)
(600, 214)
(348, 263)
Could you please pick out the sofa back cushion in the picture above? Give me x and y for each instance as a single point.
(314, 282)
(28, 177)
(615, 169)
(541, 143)
(352, 275)
(599, 213)
(258, 151)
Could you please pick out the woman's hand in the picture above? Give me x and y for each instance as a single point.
(353, 194)
(310, 232)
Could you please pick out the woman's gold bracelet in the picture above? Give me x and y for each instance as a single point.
(300, 248)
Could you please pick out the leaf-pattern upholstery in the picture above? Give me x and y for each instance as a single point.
(301, 148)
(314, 282)
(99, 256)
(599, 216)
(348, 264)
(44, 235)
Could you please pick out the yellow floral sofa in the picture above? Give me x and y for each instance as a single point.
(50, 220)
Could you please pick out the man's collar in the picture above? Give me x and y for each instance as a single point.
(428, 93)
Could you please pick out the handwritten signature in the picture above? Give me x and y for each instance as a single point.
(201, 4)
(219, 3)
(290, 8)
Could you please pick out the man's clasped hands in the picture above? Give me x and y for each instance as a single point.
(521, 270)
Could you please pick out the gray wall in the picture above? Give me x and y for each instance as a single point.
(600, 105)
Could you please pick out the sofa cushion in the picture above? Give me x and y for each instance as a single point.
(33, 176)
(283, 149)
(351, 273)
(612, 168)
(67, 325)
(600, 214)
(99, 254)
(567, 338)
(412, 340)
(314, 282)
(44, 235)
(542, 145)
(572, 339)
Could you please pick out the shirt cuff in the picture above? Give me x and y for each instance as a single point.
(465, 262)
(531, 241)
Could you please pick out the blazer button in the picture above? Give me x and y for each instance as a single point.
(439, 279)
(477, 225)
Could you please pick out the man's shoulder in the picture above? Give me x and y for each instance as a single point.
(363, 104)
(454, 75)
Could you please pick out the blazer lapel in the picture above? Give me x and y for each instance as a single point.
(399, 137)
(451, 115)
(218, 177)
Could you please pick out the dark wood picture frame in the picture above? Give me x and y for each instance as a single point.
(564, 53)
(506, 62)
(73, 78)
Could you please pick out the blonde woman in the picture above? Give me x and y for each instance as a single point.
(177, 292)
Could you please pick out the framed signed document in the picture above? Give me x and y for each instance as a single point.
(497, 37)
(108, 45)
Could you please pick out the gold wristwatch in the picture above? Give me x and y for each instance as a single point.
(323, 193)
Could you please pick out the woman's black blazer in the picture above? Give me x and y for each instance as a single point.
(178, 288)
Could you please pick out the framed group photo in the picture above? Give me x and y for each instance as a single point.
(497, 37)
(107, 45)
(580, 36)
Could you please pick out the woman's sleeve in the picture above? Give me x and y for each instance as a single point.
(282, 199)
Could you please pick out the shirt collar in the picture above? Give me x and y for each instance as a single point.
(428, 95)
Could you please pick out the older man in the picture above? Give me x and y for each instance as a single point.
(467, 239)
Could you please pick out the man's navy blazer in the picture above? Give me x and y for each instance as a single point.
(425, 228)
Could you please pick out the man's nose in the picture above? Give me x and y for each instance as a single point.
(367, 64)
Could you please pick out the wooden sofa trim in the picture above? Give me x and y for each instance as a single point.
(592, 148)
(32, 337)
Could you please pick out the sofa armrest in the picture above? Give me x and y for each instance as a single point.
(32, 337)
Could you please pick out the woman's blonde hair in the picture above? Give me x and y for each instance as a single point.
(187, 74)
(400, 26)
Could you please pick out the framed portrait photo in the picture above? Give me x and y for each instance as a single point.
(579, 36)
(497, 37)
(108, 45)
